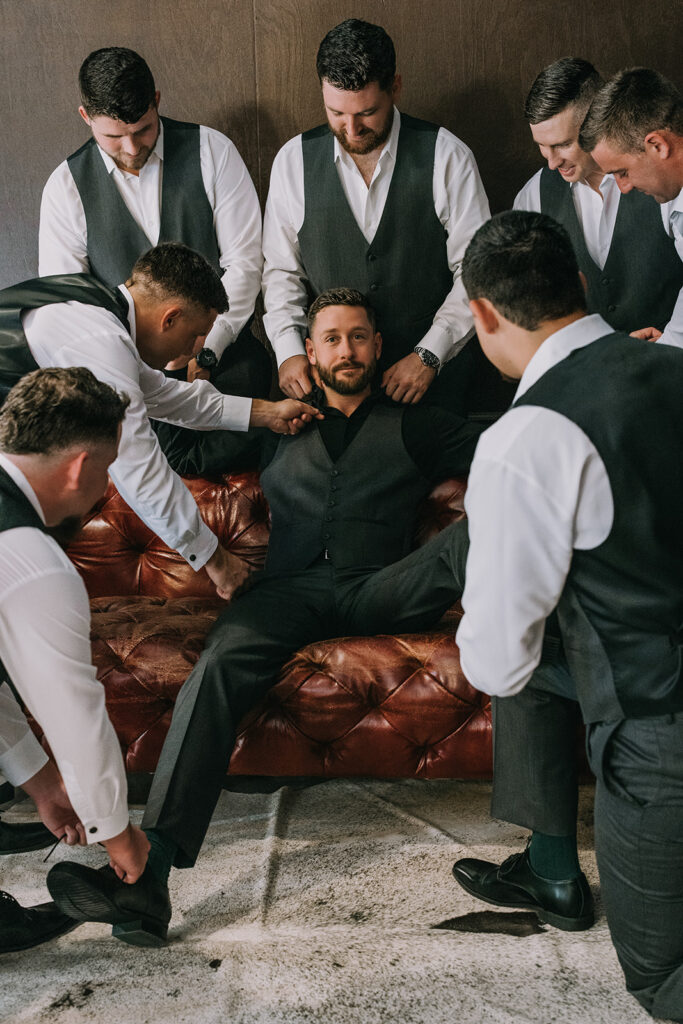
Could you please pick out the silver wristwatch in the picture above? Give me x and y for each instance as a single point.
(428, 358)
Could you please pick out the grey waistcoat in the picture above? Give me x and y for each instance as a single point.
(621, 612)
(643, 273)
(404, 271)
(360, 509)
(114, 239)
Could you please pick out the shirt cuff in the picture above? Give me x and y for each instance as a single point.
(439, 341)
(21, 762)
(100, 829)
(198, 551)
(289, 344)
(236, 413)
(220, 337)
(671, 337)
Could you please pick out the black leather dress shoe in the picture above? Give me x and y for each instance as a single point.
(566, 904)
(24, 927)
(23, 838)
(140, 912)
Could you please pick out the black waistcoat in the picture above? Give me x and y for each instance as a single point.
(114, 239)
(621, 612)
(360, 509)
(643, 273)
(404, 270)
(15, 356)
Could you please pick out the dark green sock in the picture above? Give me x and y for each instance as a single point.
(162, 850)
(554, 857)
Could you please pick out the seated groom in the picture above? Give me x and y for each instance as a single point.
(343, 497)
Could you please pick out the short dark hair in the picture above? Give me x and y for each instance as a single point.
(340, 297)
(632, 104)
(174, 270)
(525, 265)
(355, 53)
(52, 409)
(116, 82)
(566, 82)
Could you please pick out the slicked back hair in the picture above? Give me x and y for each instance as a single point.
(570, 81)
(355, 53)
(173, 270)
(53, 409)
(524, 264)
(632, 104)
(116, 82)
(340, 297)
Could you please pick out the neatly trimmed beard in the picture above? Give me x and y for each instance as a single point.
(347, 387)
(370, 141)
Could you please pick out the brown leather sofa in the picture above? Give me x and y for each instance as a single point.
(387, 706)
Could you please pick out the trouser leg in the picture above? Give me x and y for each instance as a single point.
(639, 847)
(247, 646)
(413, 593)
(535, 773)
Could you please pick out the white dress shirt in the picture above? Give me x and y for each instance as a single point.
(537, 491)
(63, 240)
(73, 334)
(459, 202)
(673, 220)
(597, 215)
(45, 647)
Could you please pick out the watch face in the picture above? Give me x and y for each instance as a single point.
(206, 359)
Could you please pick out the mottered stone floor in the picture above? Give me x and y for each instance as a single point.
(332, 904)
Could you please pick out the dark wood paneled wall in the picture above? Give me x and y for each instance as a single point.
(247, 67)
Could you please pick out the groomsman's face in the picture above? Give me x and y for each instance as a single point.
(648, 170)
(361, 121)
(558, 140)
(129, 145)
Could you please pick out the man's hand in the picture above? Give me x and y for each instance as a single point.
(128, 853)
(647, 334)
(285, 417)
(295, 377)
(228, 572)
(47, 791)
(408, 379)
(196, 372)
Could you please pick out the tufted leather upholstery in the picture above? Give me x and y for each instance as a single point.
(392, 706)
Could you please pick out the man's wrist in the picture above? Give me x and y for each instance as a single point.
(427, 358)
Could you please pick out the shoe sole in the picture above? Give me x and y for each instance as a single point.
(38, 844)
(566, 924)
(79, 900)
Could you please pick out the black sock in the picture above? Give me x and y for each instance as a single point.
(161, 853)
(554, 857)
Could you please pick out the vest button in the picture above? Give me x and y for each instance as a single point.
(326, 536)
(373, 287)
(606, 280)
(335, 472)
(328, 519)
(371, 257)
(611, 309)
(333, 487)
(331, 503)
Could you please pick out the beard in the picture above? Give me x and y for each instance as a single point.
(350, 386)
(370, 140)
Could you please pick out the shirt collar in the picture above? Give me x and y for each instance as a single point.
(157, 152)
(390, 146)
(677, 203)
(559, 345)
(608, 184)
(22, 483)
(131, 309)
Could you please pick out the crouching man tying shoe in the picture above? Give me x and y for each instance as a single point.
(59, 432)
(575, 502)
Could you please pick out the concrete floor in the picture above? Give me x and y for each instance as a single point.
(324, 905)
